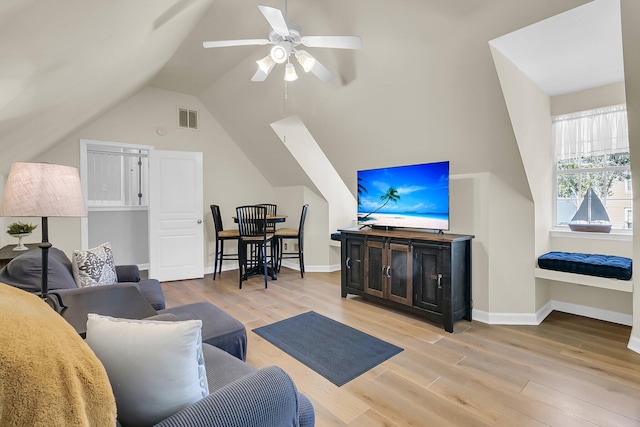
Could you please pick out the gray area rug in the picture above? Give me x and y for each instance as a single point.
(338, 352)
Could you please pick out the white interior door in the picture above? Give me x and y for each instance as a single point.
(175, 215)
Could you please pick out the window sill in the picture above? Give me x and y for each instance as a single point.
(616, 235)
(116, 208)
(584, 280)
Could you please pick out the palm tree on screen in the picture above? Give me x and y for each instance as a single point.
(391, 195)
(361, 189)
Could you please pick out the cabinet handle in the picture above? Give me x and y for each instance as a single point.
(348, 263)
(382, 270)
(389, 271)
(439, 280)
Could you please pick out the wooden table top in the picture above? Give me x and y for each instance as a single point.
(7, 253)
(272, 218)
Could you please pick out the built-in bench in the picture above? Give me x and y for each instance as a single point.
(602, 271)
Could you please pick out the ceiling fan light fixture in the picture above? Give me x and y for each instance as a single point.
(290, 73)
(265, 64)
(279, 54)
(306, 60)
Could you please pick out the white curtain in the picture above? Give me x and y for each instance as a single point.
(591, 132)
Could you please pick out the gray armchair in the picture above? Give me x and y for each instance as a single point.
(24, 272)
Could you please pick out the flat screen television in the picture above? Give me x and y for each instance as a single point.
(412, 196)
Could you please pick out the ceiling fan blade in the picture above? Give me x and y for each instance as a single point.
(228, 43)
(336, 42)
(322, 72)
(275, 19)
(260, 75)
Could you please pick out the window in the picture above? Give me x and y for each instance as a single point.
(116, 176)
(592, 151)
(628, 217)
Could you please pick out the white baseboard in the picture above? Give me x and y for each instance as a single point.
(294, 265)
(209, 270)
(509, 318)
(540, 315)
(594, 313)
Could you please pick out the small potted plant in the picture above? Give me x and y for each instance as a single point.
(20, 230)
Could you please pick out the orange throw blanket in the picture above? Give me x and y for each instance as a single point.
(48, 375)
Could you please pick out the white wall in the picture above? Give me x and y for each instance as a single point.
(630, 10)
(317, 252)
(230, 179)
(126, 231)
(529, 110)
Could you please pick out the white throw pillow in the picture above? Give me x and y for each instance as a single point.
(94, 266)
(155, 368)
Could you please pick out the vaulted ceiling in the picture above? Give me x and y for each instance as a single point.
(64, 63)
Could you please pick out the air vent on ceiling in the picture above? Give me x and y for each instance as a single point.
(187, 119)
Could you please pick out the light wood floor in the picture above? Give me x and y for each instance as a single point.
(568, 371)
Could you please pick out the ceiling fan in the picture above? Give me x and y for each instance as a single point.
(285, 38)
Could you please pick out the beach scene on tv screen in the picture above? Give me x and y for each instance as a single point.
(415, 196)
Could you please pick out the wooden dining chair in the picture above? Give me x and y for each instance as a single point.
(222, 235)
(253, 234)
(272, 210)
(293, 234)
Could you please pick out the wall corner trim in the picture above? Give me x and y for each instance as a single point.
(634, 343)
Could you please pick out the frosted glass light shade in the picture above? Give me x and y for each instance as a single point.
(290, 73)
(279, 54)
(42, 190)
(265, 64)
(306, 60)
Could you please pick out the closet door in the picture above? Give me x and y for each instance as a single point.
(176, 226)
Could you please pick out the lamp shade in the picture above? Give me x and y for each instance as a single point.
(290, 73)
(306, 60)
(265, 64)
(42, 190)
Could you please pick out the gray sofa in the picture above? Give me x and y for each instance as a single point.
(36, 338)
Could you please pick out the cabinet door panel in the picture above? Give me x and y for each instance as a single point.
(400, 274)
(428, 274)
(354, 264)
(375, 263)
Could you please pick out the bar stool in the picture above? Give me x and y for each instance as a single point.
(292, 233)
(222, 236)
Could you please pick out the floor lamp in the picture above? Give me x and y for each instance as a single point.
(43, 190)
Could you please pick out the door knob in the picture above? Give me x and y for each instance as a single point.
(199, 221)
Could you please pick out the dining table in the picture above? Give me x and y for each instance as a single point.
(269, 218)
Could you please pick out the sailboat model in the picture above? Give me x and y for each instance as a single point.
(591, 216)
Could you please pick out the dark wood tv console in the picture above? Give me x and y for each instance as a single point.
(425, 273)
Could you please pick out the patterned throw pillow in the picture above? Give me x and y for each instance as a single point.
(94, 267)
